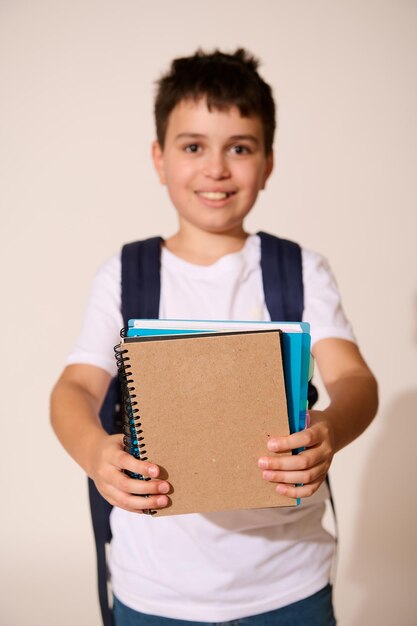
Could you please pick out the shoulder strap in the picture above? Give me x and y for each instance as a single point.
(282, 277)
(141, 282)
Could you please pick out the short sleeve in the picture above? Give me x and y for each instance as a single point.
(322, 301)
(102, 323)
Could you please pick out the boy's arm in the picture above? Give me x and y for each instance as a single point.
(75, 404)
(353, 403)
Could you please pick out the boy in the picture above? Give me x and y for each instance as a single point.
(215, 125)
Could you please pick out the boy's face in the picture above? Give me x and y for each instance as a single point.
(214, 165)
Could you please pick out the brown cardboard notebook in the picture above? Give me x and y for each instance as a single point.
(206, 407)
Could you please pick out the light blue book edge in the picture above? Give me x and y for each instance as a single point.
(153, 323)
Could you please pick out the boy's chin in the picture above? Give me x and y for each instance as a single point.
(213, 226)
(232, 229)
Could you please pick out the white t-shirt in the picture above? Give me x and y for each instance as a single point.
(227, 565)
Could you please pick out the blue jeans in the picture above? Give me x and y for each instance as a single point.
(316, 610)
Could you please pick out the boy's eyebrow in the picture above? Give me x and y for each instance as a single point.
(245, 138)
(189, 135)
(186, 135)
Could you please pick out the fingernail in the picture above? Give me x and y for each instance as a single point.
(281, 489)
(268, 475)
(152, 471)
(162, 501)
(263, 463)
(272, 445)
(163, 488)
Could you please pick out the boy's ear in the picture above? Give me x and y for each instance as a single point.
(268, 168)
(158, 161)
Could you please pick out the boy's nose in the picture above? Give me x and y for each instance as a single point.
(216, 167)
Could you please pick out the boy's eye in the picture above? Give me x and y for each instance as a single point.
(192, 147)
(239, 149)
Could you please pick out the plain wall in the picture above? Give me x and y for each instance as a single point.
(76, 182)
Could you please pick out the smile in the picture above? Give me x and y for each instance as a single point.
(215, 195)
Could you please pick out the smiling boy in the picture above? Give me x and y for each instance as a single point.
(215, 124)
(214, 164)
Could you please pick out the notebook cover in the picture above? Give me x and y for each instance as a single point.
(207, 405)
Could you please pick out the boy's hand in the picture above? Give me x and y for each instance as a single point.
(307, 469)
(109, 459)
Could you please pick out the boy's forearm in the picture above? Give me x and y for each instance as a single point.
(74, 417)
(353, 405)
(351, 387)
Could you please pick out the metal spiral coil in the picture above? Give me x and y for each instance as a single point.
(133, 439)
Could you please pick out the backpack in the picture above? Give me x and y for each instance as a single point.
(282, 279)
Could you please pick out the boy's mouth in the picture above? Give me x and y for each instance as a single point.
(215, 195)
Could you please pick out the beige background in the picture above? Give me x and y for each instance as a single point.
(76, 126)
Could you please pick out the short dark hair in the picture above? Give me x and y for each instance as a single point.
(225, 80)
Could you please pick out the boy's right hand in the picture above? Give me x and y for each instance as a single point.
(75, 404)
(108, 462)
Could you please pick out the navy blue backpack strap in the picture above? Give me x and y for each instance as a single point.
(282, 276)
(140, 288)
(141, 281)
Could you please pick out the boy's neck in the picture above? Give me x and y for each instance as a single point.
(205, 248)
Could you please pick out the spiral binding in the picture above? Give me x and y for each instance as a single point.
(133, 439)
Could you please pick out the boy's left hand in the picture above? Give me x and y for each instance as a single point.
(300, 475)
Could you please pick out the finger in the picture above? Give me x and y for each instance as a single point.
(140, 487)
(125, 461)
(299, 491)
(133, 503)
(307, 477)
(140, 503)
(303, 439)
(293, 462)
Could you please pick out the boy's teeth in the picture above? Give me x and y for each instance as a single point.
(214, 195)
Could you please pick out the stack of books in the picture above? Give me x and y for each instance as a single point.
(201, 398)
